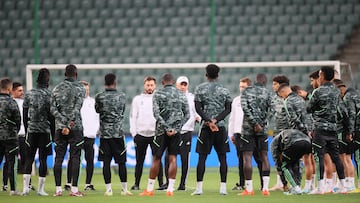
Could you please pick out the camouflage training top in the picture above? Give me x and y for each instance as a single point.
(37, 101)
(284, 141)
(65, 103)
(277, 106)
(10, 118)
(171, 109)
(256, 104)
(213, 96)
(342, 119)
(323, 107)
(110, 105)
(295, 112)
(352, 103)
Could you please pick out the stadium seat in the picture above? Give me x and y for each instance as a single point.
(324, 39)
(288, 49)
(296, 39)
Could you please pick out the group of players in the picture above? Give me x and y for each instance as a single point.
(317, 128)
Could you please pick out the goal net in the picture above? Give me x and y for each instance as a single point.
(130, 80)
(130, 76)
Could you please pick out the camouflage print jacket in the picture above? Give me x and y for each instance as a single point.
(10, 118)
(278, 110)
(171, 109)
(284, 141)
(110, 105)
(37, 109)
(256, 104)
(343, 122)
(295, 112)
(352, 103)
(65, 103)
(215, 101)
(323, 107)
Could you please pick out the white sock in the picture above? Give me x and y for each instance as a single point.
(74, 189)
(313, 180)
(150, 185)
(199, 186)
(342, 183)
(351, 182)
(108, 187)
(41, 185)
(278, 181)
(124, 186)
(26, 183)
(334, 178)
(58, 189)
(171, 185)
(321, 184)
(266, 180)
(249, 185)
(307, 184)
(223, 187)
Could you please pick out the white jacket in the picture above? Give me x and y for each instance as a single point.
(236, 117)
(142, 120)
(190, 124)
(90, 119)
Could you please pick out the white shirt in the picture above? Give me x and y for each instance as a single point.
(90, 119)
(142, 120)
(190, 124)
(20, 105)
(236, 117)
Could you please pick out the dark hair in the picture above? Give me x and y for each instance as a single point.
(149, 78)
(328, 72)
(282, 86)
(281, 79)
(70, 70)
(295, 88)
(246, 80)
(314, 75)
(261, 78)
(16, 85)
(5, 83)
(85, 83)
(43, 76)
(168, 78)
(339, 83)
(110, 79)
(212, 71)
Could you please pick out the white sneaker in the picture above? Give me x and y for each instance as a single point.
(126, 193)
(43, 194)
(223, 192)
(15, 193)
(108, 193)
(197, 192)
(317, 191)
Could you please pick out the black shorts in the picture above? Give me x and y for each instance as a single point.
(185, 142)
(237, 143)
(163, 142)
(41, 141)
(9, 148)
(207, 139)
(112, 148)
(75, 139)
(345, 147)
(356, 140)
(254, 143)
(296, 151)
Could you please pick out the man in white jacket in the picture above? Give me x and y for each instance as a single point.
(90, 120)
(182, 83)
(234, 130)
(142, 127)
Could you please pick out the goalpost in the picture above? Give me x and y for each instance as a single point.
(31, 67)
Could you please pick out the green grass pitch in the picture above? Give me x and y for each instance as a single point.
(211, 191)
